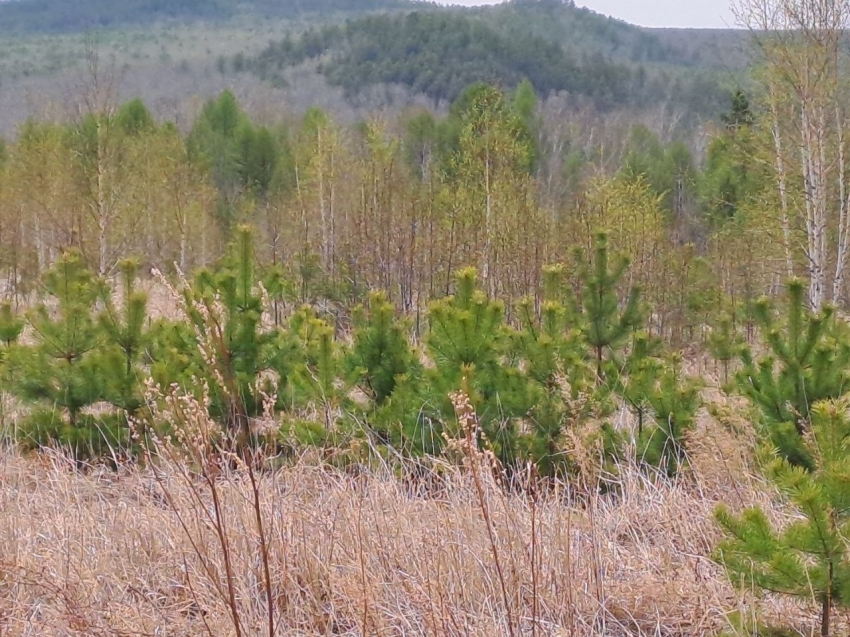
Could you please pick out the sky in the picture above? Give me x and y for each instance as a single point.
(654, 13)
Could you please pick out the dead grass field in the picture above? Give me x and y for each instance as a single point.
(138, 553)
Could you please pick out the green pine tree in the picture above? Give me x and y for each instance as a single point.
(561, 383)
(225, 342)
(808, 361)
(808, 557)
(317, 379)
(673, 401)
(468, 340)
(606, 323)
(59, 372)
(11, 325)
(11, 328)
(636, 382)
(379, 361)
(725, 343)
(125, 342)
(381, 348)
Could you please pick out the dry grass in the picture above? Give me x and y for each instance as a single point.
(111, 553)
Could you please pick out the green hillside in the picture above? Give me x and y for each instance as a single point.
(555, 45)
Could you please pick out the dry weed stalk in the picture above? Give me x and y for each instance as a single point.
(477, 459)
(201, 455)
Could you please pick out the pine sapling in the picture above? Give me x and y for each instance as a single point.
(807, 558)
(606, 321)
(468, 339)
(808, 361)
(125, 341)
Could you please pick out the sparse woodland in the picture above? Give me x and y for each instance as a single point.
(431, 374)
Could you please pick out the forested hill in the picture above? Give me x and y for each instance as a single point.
(58, 16)
(554, 44)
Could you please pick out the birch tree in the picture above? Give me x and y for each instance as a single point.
(804, 81)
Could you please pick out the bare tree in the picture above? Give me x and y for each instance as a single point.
(804, 80)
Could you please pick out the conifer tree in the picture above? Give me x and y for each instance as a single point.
(468, 340)
(724, 344)
(59, 370)
(636, 383)
(315, 377)
(381, 349)
(673, 402)
(225, 341)
(11, 325)
(809, 556)
(380, 361)
(808, 361)
(11, 328)
(126, 339)
(561, 382)
(606, 324)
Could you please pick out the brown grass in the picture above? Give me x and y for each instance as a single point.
(179, 551)
(137, 553)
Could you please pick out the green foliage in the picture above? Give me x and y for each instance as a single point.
(439, 53)
(11, 325)
(225, 342)
(467, 341)
(317, 377)
(674, 402)
(807, 361)
(669, 169)
(724, 343)
(242, 158)
(60, 371)
(56, 16)
(381, 350)
(561, 383)
(125, 340)
(134, 118)
(636, 384)
(806, 558)
(606, 324)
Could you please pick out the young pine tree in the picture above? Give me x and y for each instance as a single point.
(673, 401)
(606, 323)
(59, 372)
(380, 362)
(224, 341)
(11, 328)
(316, 377)
(125, 341)
(561, 383)
(11, 325)
(808, 361)
(468, 340)
(809, 556)
(636, 383)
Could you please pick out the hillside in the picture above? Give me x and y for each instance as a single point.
(352, 56)
(557, 46)
(59, 16)
(440, 53)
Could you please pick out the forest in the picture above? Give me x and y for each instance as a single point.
(439, 53)
(514, 366)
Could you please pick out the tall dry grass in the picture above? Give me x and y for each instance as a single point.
(140, 552)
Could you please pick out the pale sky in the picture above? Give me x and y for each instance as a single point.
(653, 13)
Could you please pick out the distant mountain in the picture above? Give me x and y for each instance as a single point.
(67, 16)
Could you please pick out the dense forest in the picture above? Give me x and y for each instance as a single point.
(556, 46)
